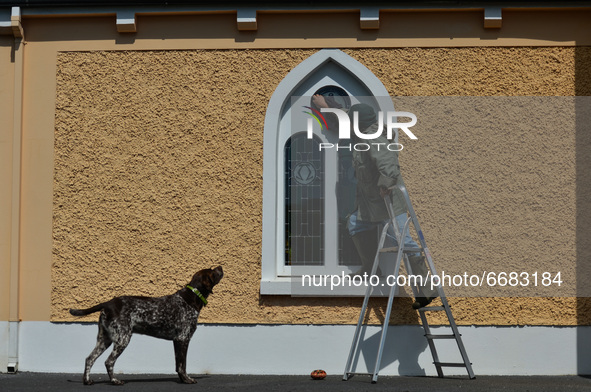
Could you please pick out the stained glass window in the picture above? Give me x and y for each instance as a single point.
(304, 202)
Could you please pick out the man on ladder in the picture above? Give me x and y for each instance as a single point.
(382, 200)
(377, 171)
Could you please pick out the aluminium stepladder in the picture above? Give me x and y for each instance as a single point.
(401, 253)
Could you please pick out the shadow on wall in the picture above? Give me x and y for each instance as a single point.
(583, 205)
(402, 346)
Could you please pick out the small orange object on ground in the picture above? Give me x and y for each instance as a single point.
(318, 374)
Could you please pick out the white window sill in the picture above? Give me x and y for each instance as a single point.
(293, 287)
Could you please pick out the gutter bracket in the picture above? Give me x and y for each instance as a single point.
(246, 19)
(369, 18)
(493, 17)
(126, 22)
(16, 23)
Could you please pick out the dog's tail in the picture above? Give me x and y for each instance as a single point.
(84, 312)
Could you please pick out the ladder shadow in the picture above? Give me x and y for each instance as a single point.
(404, 344)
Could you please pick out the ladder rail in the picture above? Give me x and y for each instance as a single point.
(417, 227)
(399, 237)
(368, 291)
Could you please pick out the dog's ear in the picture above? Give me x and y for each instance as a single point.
(207, 280)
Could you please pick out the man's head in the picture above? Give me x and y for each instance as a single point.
(367, 115)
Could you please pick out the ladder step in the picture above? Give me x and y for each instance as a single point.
(431, 309)
(450, 364)
(431, 336)
(395, 249)
(359, 374)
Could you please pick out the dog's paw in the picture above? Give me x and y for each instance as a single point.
(114, 381)
(87, 382)
(189, 380)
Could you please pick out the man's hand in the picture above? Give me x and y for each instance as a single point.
(385, 191)
(319, 101)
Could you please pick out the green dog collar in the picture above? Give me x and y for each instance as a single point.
(198, 294)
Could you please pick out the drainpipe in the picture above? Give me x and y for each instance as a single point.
(13, 317)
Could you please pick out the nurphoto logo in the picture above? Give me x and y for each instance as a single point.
(344, 123)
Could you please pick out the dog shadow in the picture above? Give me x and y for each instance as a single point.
(99, 380)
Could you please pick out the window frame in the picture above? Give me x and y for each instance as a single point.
(276, 277)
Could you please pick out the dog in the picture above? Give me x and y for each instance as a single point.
(172, 317)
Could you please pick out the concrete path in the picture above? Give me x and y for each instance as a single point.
(146, 383)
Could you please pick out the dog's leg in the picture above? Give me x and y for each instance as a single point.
(118, 347)
(180, 355)
(102, 343)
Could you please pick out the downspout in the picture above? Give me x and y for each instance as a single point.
(17, 117)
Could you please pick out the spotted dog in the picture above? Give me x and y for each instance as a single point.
(172, 317)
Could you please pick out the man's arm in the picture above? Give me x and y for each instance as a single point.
(387, 164)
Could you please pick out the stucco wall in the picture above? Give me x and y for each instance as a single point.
(158, 173)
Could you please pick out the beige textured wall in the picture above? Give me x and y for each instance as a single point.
(158, 173)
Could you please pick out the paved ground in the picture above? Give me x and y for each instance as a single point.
(147, 383)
